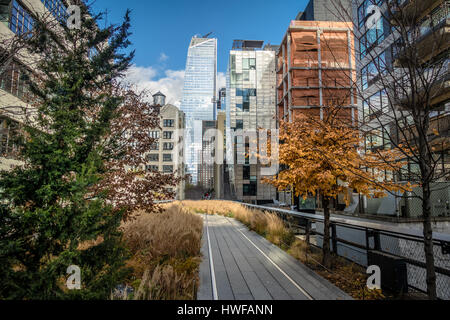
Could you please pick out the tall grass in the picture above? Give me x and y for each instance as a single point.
(165, 249)
(264, 223)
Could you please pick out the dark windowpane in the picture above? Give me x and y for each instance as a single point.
(153, 157)
(246, 174)
(250, 190)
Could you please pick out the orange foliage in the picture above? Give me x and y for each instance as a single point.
(325, 156)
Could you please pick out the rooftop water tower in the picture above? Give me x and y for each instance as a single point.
(159, 99)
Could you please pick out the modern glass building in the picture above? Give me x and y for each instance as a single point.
(199, 97)
(379, 48)
(251, 105)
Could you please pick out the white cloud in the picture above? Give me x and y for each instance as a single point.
(171, 84)
(221, 80)
(163, 57)
(137, 74)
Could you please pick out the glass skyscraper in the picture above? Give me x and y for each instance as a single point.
(251, 105)
(199, 97)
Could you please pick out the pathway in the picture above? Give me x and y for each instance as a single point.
(239, 264)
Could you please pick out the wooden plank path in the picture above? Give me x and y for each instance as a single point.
(238, 264)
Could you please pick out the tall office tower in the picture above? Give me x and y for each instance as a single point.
(199, 97)
(251, 105)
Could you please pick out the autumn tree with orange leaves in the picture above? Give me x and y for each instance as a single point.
(323, 157)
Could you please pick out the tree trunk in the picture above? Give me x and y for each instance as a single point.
(326, 233)
(426, 167)
(428, 243)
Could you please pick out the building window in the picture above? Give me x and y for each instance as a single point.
(250, 190)
(375, 105)
(168, 135)
(168, 169)
(14, 80)
(374, 35)
(8, 135)
(249, 64)
(370, 73)
(167, 158)
(57, 9)
(21, 22)
(169, 123)
(168, 146)
(233, 62)
(363, 13)
(364, 82)
(245, 92)
(154, 134)
(246, 75)
(154, 157)
(236, 78)
(239, 124)
(246, 174)
(247, 153)
(366, 110)
(378, 139)
(154, 146)
(372, 38)
(152, 168)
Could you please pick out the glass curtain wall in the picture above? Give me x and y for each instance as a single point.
(199, 97)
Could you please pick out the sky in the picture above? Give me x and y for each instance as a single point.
(162, 30)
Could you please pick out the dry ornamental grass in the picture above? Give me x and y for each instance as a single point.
(165, 250)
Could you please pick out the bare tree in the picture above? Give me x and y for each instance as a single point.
(401, 85)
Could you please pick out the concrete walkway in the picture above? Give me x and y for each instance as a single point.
(238, 264)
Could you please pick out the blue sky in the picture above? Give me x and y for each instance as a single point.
(162, 30)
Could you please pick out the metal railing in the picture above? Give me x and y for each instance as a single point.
(354, 238)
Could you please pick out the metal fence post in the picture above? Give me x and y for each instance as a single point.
(308, 232)
(334, 237)
(377, 240)
(367, 243)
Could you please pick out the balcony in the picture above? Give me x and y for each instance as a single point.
(439, 122)
(439, 90)
(430, 42)
(414, 10)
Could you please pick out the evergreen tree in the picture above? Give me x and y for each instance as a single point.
(50, 218)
